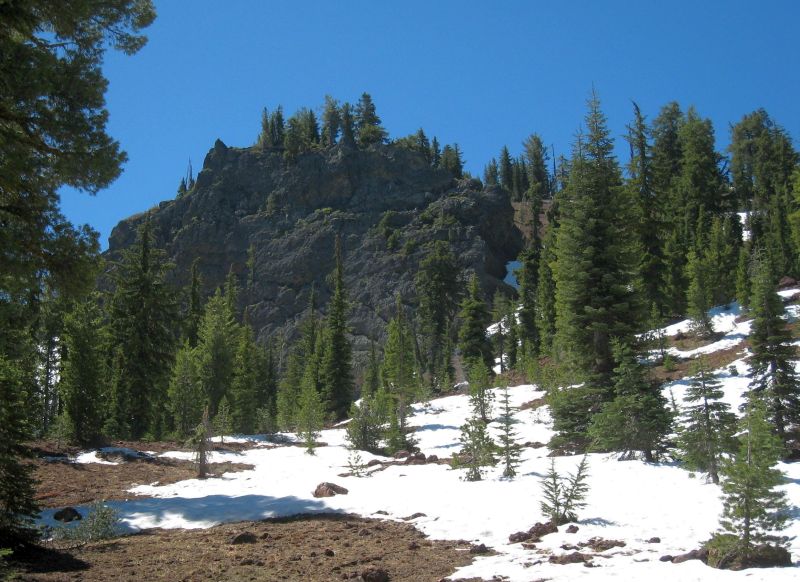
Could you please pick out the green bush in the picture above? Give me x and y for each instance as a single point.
(100, 523)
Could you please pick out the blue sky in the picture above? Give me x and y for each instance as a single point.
(482, 74)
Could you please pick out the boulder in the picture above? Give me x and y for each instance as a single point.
(67, 514)
(654, 540)
(572, 528)
(701, 554)
(375, 574)
(326, 489)
(244, 537)
(573, 558)
(479, 549)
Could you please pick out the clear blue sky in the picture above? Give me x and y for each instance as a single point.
(482, 74)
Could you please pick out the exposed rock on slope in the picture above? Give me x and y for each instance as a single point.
(386, 202)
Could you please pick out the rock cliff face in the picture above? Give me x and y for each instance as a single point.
(386, 203)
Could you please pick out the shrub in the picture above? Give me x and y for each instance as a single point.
(100, 523)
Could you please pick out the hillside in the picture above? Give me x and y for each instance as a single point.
(386, 202)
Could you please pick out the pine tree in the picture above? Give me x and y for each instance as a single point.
(637, 418)
(709, 426)
(743, 276)
(596, 267)
(505, 169)
(331, 122)
(399, 371)
(368, 125)
(365, 429)
(698, 295)
(491, 173)
(186, 398)
(436, 153)
(310, 413)
(509, 448)
(480, 394)
(83, 375)
(437, 288)
(223, 425)
(194, 312)
(451, 160)
(302, 353)
(476, 449)
(143, 322)
(200, 439)
(564, 496)
(774, 377)
(348, 126)
(336, 359)
(264, 139)
(372, 378)
(473, 321)
(215, 350)
(244, 388)
(752, 507)
(545, 310)
(277, 128)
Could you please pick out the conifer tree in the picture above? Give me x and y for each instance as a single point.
(368, 125)
(194, 311)
(436, 153)
(365, 429)
(372, 378)
(223, 424)
(473, 321)
(476, 449)
(505, 169)
(564, 496)
(509, 448)
(491, 173)
(331, 122)
(201, 443)
(215, 350)
(752, 507)
(348, 126)
(774, 377)
(743, 276)
(302, 353)
(264, 139)
(451, 160)
(83, 376)
(545, 308)
(336, 359)
(709, 425)
(480, 394)
(310, 412)
(437, 288)
(277, 128)
(244, 389)
(596, 268)
(186, 398)
(399, 369)
(698, 295)
(143, 322)
(636, 420)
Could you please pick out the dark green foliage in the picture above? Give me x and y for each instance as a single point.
(365, 429)
(752, 507)
(200, 442)
(215, 350)
(372, 377)
(437, 287)
(491, 173)
(223, 423)
(564, 496)
(331, 122)
(310, 409)
(336, 379)
(480, 394)
(698, 295)
(505, 169)
(348, 138)
(143, 330)
(774, 377)
(83, 375)
(473, 321)
(636, 420)
(510, 449)
(194, 310)
(186, 397)
(596, 259)
(452, 161)
(476, 449)
(302, 133)
(436, 153)
(709, 425)
(399, 375)
(367, 123)
(244, 390)
(545, 306)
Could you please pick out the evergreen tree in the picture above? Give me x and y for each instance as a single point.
(637, 418)
(436, 153)
(437, 288)
(336, 360)
(223, 425)
(372, 378)
(480, 394)
(491, 173)
(310, 411)
(774, 377)
(545, 307)
(368, 125)
(596, 270)
(563, 496)
(509, 448)
(83, 375)
(267, 387)
(698, 295)
(244, 389)
(505, 169)
(348, 126)
(264, 139)
(277, 128)
(194, 311)
(752, 507)
(474, 319)
(331, 122)
(215, 350)
(476, 449)
(709, 426)
(365, 429)
(399, 371)
(303, 352)
(451, 160)
(143, 322)
(743, 276)
(186, 398)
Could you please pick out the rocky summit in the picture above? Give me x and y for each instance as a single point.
(274, 222)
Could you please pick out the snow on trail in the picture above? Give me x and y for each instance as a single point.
(628, 500)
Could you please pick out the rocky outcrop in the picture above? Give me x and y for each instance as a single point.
(386, 203)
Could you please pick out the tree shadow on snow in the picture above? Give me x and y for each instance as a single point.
(436, 427)
(596, 521)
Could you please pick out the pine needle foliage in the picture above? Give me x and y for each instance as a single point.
(510, 449)
(564, 496)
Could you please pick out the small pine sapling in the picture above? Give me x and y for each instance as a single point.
(509, 448)
(200, 442)
(563, 496)
(365, 427)
(222, 421)
(476, 450)
(356, 464)
(480, 394)
(309, 415)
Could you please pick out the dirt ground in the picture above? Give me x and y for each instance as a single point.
(301, 548)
